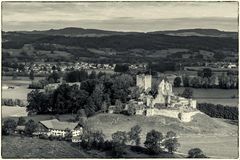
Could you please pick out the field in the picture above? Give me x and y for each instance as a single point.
(8, 111)
(215, 96)
(20, 85)
(213, 146)
(26, 147)
(16, 147)
(210, 134)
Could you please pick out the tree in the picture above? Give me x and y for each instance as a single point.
(38, 102)
(118, 150)
(186, 80)
(121, 68)
(187, 93)
(31, 75)
(120, 137)
(21, 121)
(171, 135)
(153, 141)
(177, 82)
(92, 139)
(131, 109)
(8, 127)
(171, 145)
(118, 106)
(54, 76)
(30, 127)
(206, 72)
(134, 92)
(196, 153)
(134, 135)
(196, 82)
(97, 95)
(93, 75)
(15, 76)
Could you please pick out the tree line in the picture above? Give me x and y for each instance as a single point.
(219, 111)
(206, 79)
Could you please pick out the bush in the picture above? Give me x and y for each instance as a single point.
(9, 127)
(43, 136)
(13, 102)
(196, 153)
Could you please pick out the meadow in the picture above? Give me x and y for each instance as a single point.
(215, 137)
(20, 85)
(33, 147)
(215, 96)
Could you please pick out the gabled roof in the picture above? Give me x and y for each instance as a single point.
(56, 124)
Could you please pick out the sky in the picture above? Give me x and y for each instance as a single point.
(119, 16)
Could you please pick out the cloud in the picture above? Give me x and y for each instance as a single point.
(117, 15)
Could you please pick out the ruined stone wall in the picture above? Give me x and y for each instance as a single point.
(187, 116)
(183, 116)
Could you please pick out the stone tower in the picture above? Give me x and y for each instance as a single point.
(144, 81)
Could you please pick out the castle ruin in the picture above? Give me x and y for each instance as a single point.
(165, 102)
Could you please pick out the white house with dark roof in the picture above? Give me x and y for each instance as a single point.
(57, 128)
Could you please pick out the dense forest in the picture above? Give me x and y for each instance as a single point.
(219, 111)
(125, 42)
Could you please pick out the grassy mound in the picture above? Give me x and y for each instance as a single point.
(201, 124)
(26, 147)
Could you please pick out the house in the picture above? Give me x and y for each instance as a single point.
(58, 128)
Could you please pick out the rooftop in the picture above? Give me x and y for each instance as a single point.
(56, 124)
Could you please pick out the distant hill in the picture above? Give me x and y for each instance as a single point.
(81, 32)
(76, 32)
(198, 32)
(127, 47)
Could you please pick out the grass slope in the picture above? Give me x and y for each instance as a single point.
(217, 138)
(26, 147)
(201, 124)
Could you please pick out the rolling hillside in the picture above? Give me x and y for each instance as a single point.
(198, 44)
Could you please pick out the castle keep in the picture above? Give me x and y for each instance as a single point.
(144, 81)
(165, 102)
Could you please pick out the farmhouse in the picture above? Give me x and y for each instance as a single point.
(58, 128)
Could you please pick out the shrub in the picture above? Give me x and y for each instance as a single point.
(196, 153)
(9, 127)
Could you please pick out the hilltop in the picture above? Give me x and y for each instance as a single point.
(201, 124)
(76, 32)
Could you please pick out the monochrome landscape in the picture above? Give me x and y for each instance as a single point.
(119, 80)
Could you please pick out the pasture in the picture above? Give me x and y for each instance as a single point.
(27, 147)
(210, 134)
(20, 85)
(10, 111)
(33, 147)
(215, 96)
(212, 145)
